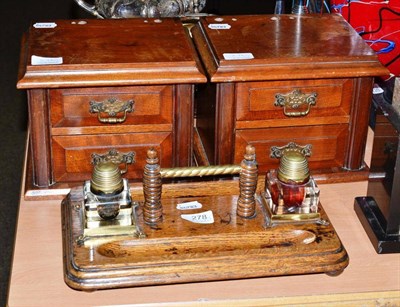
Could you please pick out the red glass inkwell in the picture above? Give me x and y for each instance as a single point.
(290, 188)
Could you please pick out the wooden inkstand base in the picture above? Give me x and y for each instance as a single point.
(197, 231)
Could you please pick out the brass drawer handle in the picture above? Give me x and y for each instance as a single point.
(277, 152)
(115, 157)
(291, 102)
(112, 107)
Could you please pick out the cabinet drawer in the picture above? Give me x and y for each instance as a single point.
(328, 144)
(385, 144)
(72, 155)
(257, 104)
(91, 109)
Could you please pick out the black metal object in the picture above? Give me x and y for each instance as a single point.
(379, 211)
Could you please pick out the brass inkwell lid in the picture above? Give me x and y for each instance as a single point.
(293, 168)
(109, 210)
(106, 179)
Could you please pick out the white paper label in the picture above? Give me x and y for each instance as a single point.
(39, 60)
(189, 205)
(377, 90)
(205, 217)
(219, 26)
(45, 25)
(48, 192)
(238, 56)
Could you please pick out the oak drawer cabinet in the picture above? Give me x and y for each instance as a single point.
(277, 81)
(107, 88)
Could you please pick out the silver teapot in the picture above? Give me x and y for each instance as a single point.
(142, 8)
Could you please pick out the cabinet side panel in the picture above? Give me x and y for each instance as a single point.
(183, 123)
(205, 111)
(40, 137)
(359, 117)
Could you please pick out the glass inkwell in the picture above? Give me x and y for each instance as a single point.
(108, 207)
(291, 194)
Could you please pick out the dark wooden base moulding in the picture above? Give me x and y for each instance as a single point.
(179, 251)
(374, 224)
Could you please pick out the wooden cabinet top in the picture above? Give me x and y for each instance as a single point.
(70, 53)
(273, 47)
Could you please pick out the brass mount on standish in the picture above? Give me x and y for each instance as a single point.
(153, 174)
(109, 209)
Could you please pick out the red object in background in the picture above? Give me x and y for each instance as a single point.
(378, 23)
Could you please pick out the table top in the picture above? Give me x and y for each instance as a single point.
(37, 273)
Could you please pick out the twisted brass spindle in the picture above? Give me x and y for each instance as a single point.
(152, 186)
(200, 171)
(246, 205)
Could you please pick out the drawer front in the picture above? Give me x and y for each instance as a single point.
(328, 144)
(72, 155)
(148, 108)
(297, 102)
(385, 144)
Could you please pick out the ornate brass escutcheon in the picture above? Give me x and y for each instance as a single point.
(115, 157)
(277, 152)
(296, 103)
(112, 107)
